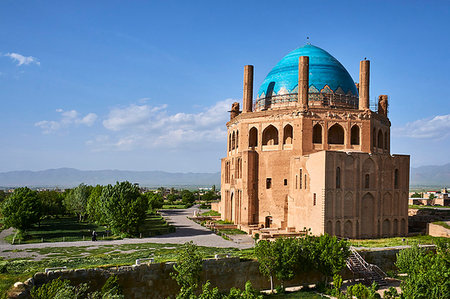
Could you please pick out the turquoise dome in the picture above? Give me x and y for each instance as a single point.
(326, 74)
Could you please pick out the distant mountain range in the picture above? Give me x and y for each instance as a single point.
(430, 176)
(69, 177)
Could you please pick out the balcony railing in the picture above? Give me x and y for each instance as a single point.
(315, 99)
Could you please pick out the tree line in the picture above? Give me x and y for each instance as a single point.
(121, 207)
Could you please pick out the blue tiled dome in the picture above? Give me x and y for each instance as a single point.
(326, 74)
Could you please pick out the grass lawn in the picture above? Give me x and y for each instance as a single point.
(156, 225)
(426, 207)
(397, 241)
(298, 294)
(210, 213)
(59, 230)
(97, 256)
(232, 231)
(174, 206)
(69, 229)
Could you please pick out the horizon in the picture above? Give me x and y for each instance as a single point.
(146, 86)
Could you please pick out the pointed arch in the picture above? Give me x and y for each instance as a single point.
(367, 215)
(233, 140)
(387, 204)
(338, 177)
(374, 138)
(253, 137)
(386, 228)
(270, 136)
(354, 137)
(288, 134)
(237, 139)
(338, 228)
(348, 229)
(380, 139)
(336, 134)
(317, 133)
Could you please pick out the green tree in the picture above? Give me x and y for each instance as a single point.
(327, 254)
(124, 207)
(187, 270)
(21, 209)
(172, 197)
(187, 197)
(51, 203)
(94, 205)
(76, 200)
(209, 196)
(155, 200)
(417, 195)
(288, 256)
(267, 259)
(428, 273)
(3, 196)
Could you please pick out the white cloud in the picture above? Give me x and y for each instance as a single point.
(437, 127)
(142, 125)
(23, 60)
(68, 118)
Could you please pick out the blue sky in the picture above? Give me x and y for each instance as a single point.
(145, 85)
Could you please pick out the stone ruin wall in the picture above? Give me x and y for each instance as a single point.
(154, 281)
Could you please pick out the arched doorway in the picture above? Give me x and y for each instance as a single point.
(268, 221)
(367, 216)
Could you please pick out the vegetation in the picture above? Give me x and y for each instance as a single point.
(428, 272)
(123, 206)
(76, 200)
(210, 213)
(188, 268)
(286, 257)
(417, 195)
(68, 228)
(187, 197)
(396, 241)
(21, 210)
(15, 270)
(61, 289)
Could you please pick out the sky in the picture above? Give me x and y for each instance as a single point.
(146, 85)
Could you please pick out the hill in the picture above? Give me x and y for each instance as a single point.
(69, 177)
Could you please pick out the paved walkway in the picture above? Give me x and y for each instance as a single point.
(186, 230)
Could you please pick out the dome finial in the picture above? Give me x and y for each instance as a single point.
(307, 40)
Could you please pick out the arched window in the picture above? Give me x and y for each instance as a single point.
(270, 136)
(354, 135)
(237, 139)
(287, 138)
(253, 137)
(396, 179)
(338, 178)
(380, 139)
(374, 138)
(385, 141)
(336, 135)
(227, 172)
(233, 141)
(367, 181)
(317, 133)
